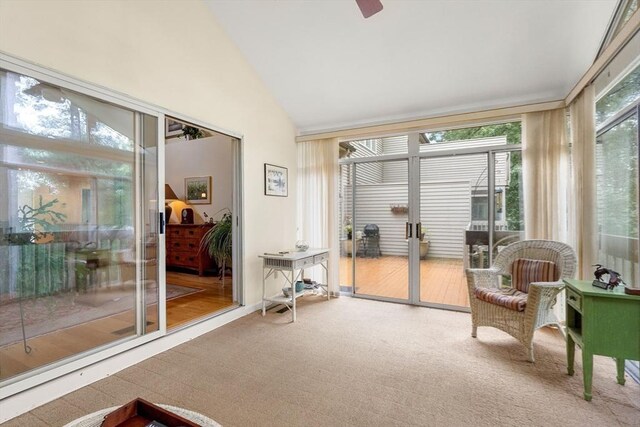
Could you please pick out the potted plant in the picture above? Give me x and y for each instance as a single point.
(191, 132)
(347, 245)
(217, 242)
(424, 242)
(348, 229)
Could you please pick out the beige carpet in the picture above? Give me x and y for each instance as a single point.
(365, 363)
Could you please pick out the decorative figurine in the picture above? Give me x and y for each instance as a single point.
(302, 246)
(614, 278)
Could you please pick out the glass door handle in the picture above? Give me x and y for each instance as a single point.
(407, 230)
(419, 231)
(161, 222)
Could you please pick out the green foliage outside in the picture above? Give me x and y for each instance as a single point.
(620, 96)
(617, 160)
(617, 180)
(513, 132)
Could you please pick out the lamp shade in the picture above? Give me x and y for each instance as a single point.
(169, 194)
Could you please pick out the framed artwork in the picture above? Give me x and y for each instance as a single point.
(276, 181)
(172, 128)
(197, 190)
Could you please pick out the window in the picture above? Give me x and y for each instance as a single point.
(622, 95)
(617, 181)
(624, 12)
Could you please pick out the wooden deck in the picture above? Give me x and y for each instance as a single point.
(442, 280)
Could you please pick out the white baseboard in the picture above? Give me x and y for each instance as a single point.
(24, 401)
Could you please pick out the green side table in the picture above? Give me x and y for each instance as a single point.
(601, 322)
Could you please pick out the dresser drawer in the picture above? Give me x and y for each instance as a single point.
(190, 245)
(173, 233)
(185, 232)
(186, 259)
(574, 299)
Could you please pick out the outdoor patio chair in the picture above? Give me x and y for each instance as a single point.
(536, 269)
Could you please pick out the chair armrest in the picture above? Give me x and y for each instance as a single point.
(542, 295)
(557, 284)
(482, 277)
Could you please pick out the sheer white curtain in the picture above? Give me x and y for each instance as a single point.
(583, 221)
(546, 174)
(318, 175)
(545, 168)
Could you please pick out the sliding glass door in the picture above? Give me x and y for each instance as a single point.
(413, 222)
(379, 240)
(454, 210)
(78, 223)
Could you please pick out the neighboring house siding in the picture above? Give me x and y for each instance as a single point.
(447, 184)
(445, 212)
(395, 171)
(368, 173)
(373, 206)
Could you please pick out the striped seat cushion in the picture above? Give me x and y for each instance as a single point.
(510, 298)
(525, 271)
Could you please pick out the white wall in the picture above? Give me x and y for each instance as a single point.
(148, 50)
(212, 156)
(173, 54)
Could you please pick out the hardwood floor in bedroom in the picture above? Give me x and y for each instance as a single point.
(211, 297)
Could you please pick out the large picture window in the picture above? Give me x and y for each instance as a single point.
(617, 181)
(617, 176)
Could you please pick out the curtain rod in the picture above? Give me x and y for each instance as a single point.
(425, 123)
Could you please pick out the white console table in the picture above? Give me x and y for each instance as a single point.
(292, 265)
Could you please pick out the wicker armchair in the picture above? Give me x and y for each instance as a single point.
(512, 310)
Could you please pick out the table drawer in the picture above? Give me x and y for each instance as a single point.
(574, 299)
(319, 258)
(304, 262)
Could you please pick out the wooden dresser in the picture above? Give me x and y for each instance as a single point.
(183, 244)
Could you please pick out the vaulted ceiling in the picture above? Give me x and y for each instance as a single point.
(330, 68)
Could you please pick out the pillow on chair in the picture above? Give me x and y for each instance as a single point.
(525, 271)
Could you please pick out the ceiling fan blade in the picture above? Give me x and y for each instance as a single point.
(369, 7)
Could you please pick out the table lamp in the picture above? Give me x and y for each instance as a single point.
(169, 196)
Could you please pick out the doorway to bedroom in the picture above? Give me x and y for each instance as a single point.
(199, 212)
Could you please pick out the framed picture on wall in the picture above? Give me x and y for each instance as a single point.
(172, 128)
(197, 190)
(276, 181)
